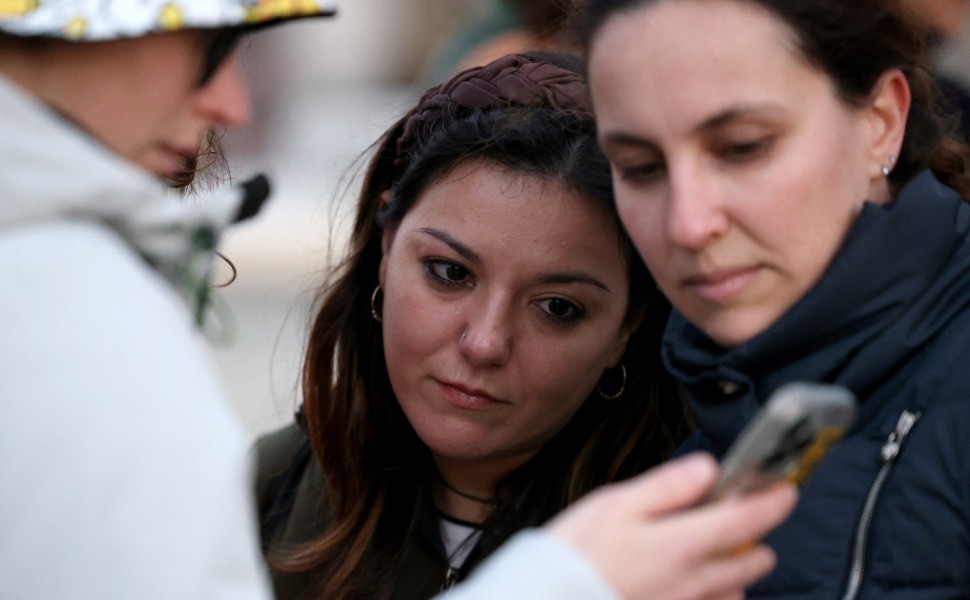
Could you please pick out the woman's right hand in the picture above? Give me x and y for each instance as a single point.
(650, 538)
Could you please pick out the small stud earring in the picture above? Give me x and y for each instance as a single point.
(886, 169)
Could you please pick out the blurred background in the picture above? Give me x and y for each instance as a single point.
(323, 91)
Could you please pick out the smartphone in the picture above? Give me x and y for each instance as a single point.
(786, 438)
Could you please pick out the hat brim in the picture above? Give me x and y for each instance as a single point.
(96, 20)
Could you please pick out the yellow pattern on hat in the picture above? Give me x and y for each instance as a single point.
(267, 10)
(94, 20)
(10, 8)
(171, 17)
(76, 28)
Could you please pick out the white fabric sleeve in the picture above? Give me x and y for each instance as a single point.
(124, 474)
(533, 565)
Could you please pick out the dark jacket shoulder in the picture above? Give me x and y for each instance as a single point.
(275, 452)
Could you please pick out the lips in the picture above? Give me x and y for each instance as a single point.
(466, 397)
(721, 285)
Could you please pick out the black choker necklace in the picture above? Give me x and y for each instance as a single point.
(490, 501)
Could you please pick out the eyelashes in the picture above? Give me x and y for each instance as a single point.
(447, 272)
(452, 275)
(560, 309)
(739, 152)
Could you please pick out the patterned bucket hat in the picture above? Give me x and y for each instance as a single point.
(91, 20)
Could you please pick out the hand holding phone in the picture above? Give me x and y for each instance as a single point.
(786, 438)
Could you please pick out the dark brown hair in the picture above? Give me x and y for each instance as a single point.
(527, 114)
(206, 171)
(854, 42)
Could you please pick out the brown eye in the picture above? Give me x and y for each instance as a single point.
(560, 309)
(455, 273)
(447, 271)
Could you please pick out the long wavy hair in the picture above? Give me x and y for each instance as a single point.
(378, 471)
(854, 42)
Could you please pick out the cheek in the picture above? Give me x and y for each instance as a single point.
(643, 222)
(560, 375)
(555, 396)
(155, 121)
(407, 332)
(815, 221)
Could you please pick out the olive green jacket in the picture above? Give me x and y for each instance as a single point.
(291, 490)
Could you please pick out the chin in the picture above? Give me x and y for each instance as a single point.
(733, 330)
(458, 452)
(449, 441)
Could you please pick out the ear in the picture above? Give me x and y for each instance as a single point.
(387, 238)
(887, 111)
(630, 324)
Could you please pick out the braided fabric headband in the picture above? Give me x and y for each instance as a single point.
(514, 80)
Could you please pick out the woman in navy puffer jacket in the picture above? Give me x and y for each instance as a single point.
(785, 174)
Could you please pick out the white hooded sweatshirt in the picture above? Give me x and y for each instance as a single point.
(123, 472)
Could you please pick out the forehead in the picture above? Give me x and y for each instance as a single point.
(694, 56)
(483, 187)
(512, 212)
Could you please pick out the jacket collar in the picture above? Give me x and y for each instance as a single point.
(900, 276)
(55, 171)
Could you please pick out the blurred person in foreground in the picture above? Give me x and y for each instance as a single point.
(124, 473)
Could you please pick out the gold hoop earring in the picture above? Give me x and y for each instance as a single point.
(373, 305)
(619, 392)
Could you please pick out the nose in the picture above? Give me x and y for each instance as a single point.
(224, 99)
(486, 339)
(695, 208)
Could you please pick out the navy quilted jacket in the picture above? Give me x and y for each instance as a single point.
(887, 513)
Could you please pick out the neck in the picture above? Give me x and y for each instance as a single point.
(465, 489)
(472, 505)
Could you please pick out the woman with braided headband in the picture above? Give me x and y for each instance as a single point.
(486, 354)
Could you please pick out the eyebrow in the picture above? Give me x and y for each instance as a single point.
(713, 122)
(573, 277)
(463, 250)
(559, 277)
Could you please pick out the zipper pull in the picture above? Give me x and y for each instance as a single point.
(451, 578)
(891, 448)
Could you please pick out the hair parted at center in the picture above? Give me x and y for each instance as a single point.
(528, 114)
